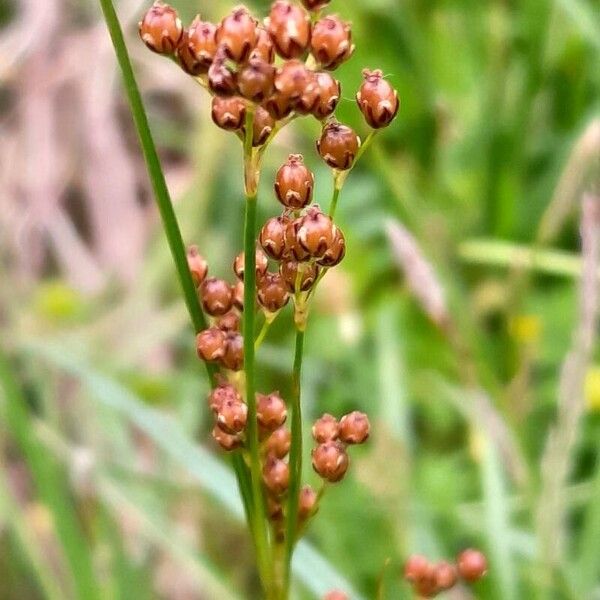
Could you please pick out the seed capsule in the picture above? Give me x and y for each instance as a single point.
(229, 322)
(271, 411)
(262, 264)
(338, 145)
(255, 80)
(307, 503)
(210, 344)
(221, 79)
(238, 295)
(330, 91)
(415, 568)
(279, 442)
(377, 99)
(223, 393)
(237, 34)
(294, 183)
(217, 296)
(263, 48)
(309, 99)
(161, 29)
(315, 5)
(331, 42)
(292, 80)
(335, 253)
(225, 440)
(197, 265)
(232, 416)
(330, 461)
(316, 232)
(308, 275)
(278, 105)
(233, 358)
(426, 586)
(274, 509)
(336, 595)
(445, 575)
(289, 27)
(293, 249)
(228, 112)
(354, 428)
(472, 565)
(325, 429)
(197, 47)
(272, 292)
(276, 475)
(262, 126)
(272, 236)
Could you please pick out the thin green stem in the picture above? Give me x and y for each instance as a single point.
(262, 334)
(334, 198)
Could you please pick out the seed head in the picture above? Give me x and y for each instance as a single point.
(278, 443)
(238, 295)
(445, 575)
(161, 29)
(335, 253)
(255, 80)
(262, 264)
(217, 296)
(294, 183)
(197, 47)
(472, 564)
(232, 416)
(330, 461)
(271, 411)
(293, 248)
(228, 112)
(331, 42)
(316, 232)
(197, 265)
(225, 440)
(338, 145)
(229, 321)
(377, 99)
(308, 275)
(354, 428)
(289, 27)
(221, 79)
(329, 93)
(325, 429)
(272, 236)
(233, 358)
(272, 293)
(276, 475)
(237, 34)
(307, 503)
(210, 344)
(263, 48)
(223, 393)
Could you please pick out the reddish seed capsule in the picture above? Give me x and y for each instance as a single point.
(377, 99)
(330, 91)
(263, 48)
(472, 565)
(294, 183)
(228, 112)
(272, 236)
(325, 429)
(426, 586)
(197, 265)
(331, 42)
(256, 79)
(232, 416)
(217, 296)
(305, 104)
(289, 27)
(274, 509)
(335, 253)
(223, 393)
(197, 47)
(276, 475)
(307, 503)
(229, 322)
(330, 461)
(445, 575)
(279, 442)
(233, 358)
(308, 275)
(338, 145)
(237, 34)
(225, 440)
(238, 295)
(315, 5)
(293, 79)
(271, 411)
(210, 344)
(415, 568)
(272, 293)
(354, 428)
(316, 232)
(262, 264)
(221, 79)
(293, 249)
(161, 29)
(278, 105)
(262, 126)
(336, 595)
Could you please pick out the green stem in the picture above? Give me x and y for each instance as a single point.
(262, 334)
(334, 198)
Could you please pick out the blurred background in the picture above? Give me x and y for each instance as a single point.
(463, 319)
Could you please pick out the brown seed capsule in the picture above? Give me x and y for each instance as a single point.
(276, 475)
(472, 564)
(377, 99)
(309, 99)
(289, 27)
(325, 429)
(237, 34)
(197, 47)
(262, 126)
(293, 79)
(217, 296)
(308, 275)
(233, 358)
(415, 568)
(330, 92)
(279, 442)
(426, 586)
(225, 440)
(223, 393)
(272, 236)
(293, 249)
(445, 575)
(316, 232)
(354, 428)
(272, 293)
(271, 411)
(336, 595)
(338, 145)
(335, 253)
(274, 509)
(161, 29)
(279, 106)
(238, 295)
(307, 503)
(294, 183)
(221, 79)
(331, 42)
(263, 48)
(229, 321)
(228, 112)
(255, 80)
(197, 265)
(232, 416)
(210, 344)
(330, 461)
(262, 264)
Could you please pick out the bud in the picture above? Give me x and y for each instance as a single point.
(279, 106)
(294, 183)
(308, 275)
(261, 127)
(325, 429)
(221, 79)
(329, 93)
(293, 249)
(316, 232)
(330, 461)
(237, 34)
(238, 295)
(354, 428)
(276, 475)
(307, 503)
(331, 42)
(197, 47)
(229, 322)
(225, 440)
(272, 293)
(263, 48)
(272, 236)
(415, 568)
(472, 565)
(279, 442)
(262, 264)
(377, 99)
(232, 416)
(338, 145)
(335, 253)
(161, 29)
(256, 79)
(445, 575)
(271, 411)
(228, 112)
(210, 344)
(217, 296)
(223, 393)
(293, 80)
(233, 358)
(197, 265)
(289, 27)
